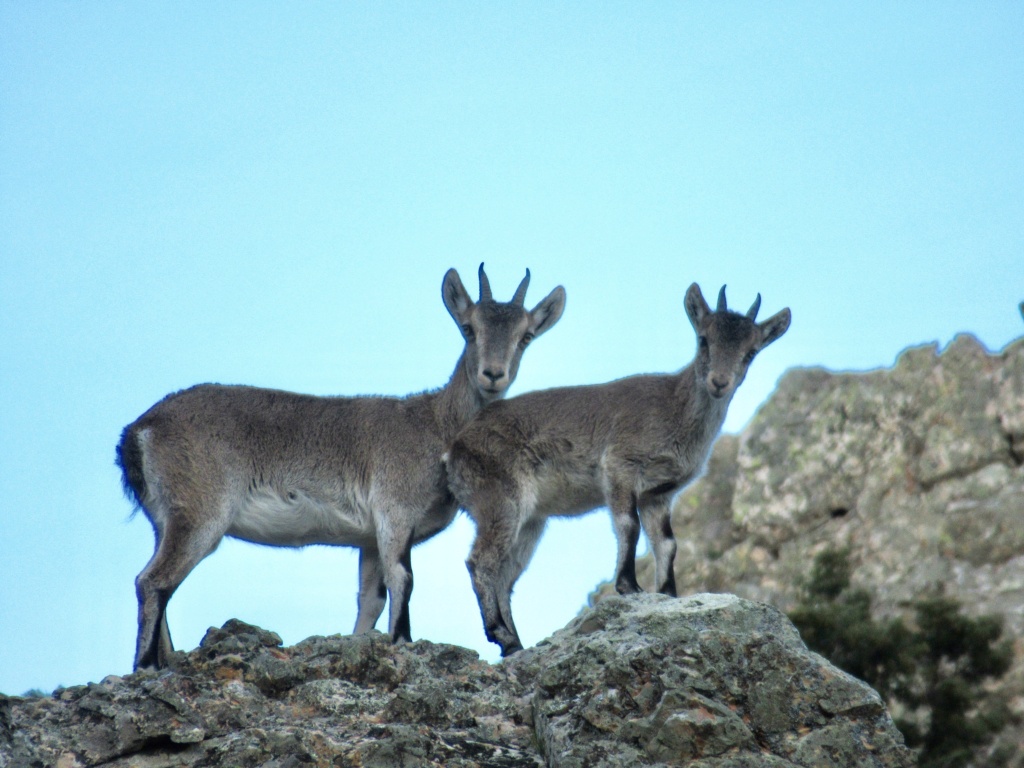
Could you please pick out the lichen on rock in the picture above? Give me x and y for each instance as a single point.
(918, 470)
(710, 681)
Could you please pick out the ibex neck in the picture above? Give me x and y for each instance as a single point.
(457, 402)
(697, 401)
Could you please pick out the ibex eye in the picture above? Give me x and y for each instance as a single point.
(527, 338)
(467, 331)
(703, 342)
(749, 356)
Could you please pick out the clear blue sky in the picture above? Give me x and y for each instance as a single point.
(270, 194)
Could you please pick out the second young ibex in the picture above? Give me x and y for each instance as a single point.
(629, 445)
(289, 470)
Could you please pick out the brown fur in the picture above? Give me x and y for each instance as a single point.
(287, 469)
(629, 445)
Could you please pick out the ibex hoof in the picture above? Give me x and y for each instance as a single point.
(508, 650)
(627, 587)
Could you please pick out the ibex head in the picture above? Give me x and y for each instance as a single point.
(496, 333)
(728, 341)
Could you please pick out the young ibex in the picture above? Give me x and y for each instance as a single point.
(628, 445)
(288, 470)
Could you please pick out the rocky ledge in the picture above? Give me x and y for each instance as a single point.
(917, 470)
(709, 681)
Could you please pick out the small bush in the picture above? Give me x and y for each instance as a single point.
(931, 671)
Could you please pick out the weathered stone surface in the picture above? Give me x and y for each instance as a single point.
(919, 469)
(242, 700)
(711, 681)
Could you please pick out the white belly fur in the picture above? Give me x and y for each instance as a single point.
(294, 519)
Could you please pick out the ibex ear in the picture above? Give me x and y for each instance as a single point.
(455, 298)
(774, 327)
(548, 312)
(696, 308)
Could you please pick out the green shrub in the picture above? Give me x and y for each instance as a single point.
(931, 671)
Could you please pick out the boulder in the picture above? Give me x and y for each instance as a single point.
(917, 469)
(711, 681)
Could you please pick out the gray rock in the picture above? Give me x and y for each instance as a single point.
(714, 679)
(710, 681)
(918, 469)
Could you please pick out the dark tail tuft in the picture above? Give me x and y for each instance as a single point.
(129, 459)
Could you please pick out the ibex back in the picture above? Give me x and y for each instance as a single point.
(629, 445)
(288, 470)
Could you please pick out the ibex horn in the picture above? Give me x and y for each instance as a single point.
(721, 300)
(752, 312)
(520, 296)
(485, 286)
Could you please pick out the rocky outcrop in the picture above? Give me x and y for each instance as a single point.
(918, 469)
(712, 681)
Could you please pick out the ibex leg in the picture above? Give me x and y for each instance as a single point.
(394, 541)
(622, 504)
(490, 563)
(522, 552)
(179, 549)
(656, 517)
(373, 592)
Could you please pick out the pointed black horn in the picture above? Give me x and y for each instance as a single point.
(752, 312)
(520, 296)
(721, 301)
(485, 285)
